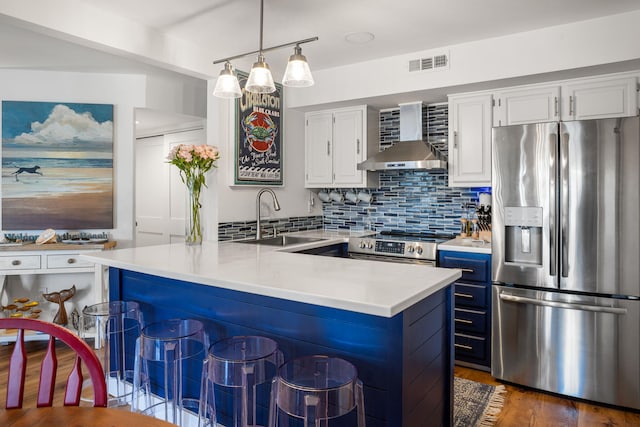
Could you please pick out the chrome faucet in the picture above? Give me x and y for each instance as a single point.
(276, 206)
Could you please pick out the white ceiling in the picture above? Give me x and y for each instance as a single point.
(231, 27)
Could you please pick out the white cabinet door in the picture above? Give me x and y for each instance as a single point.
(318, 149)
(348, 147)
(470, 140)
(599, 98)
(160, 194)
(335, 142)
(526, 105)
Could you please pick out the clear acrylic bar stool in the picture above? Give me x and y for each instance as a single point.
(316, 389)
(114, 326)
(168, 370)
(241, 364)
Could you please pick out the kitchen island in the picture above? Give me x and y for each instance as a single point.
(392, 321)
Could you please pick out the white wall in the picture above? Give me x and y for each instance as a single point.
(126, 92)
(591, 43)
(237, 203)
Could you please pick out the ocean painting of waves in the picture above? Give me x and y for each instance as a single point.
(57, 166)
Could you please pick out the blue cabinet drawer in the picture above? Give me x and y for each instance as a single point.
(471, 295)
(469, 348)
(478, 270)
(470, 321)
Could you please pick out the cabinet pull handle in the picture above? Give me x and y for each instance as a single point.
(16, 262)
(358, 146)
(328, 147)
(458, 294)
(463, 321)
(555, 104)
(571, 105)
(71, 261)
(467, 270)
(455, 139)
(466, 347)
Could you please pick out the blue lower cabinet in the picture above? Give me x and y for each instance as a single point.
(472, 314)
(405, 362)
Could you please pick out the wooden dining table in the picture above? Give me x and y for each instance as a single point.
(77, 416)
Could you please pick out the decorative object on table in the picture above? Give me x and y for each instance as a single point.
(23, 307)
(194, 161)
(476, 404)
(74, 191)
(47, 236)
(258, 146)
(60, 297)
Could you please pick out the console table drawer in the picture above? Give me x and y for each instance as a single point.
(67, 261)
(20, 262)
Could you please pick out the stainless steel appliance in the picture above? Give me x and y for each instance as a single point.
(395, 246)
(566, 258)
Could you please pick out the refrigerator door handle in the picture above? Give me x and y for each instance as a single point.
(564, 207)
(553, 256)
(558, 304)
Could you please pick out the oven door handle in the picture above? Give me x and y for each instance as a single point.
(558, 304)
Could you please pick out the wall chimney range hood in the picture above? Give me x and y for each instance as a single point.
(411, 152)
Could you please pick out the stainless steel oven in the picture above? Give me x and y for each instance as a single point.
(398, 247)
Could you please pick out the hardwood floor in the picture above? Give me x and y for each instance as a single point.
(523, 407)
(526, 407)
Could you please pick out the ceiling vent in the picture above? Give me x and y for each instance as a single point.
(430, 63)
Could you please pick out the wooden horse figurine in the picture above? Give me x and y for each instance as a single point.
(60, 297)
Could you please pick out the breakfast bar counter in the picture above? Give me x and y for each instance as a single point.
(392, 321)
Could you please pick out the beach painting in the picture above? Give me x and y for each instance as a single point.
(57, 166)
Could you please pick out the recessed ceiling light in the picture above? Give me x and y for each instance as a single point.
(359, 37)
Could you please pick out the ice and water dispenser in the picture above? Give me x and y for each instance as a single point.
(523, 235)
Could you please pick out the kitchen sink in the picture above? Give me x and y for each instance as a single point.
(282, 240)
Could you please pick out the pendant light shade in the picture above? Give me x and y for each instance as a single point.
(260, 79)
(227, 85)
(297, 73)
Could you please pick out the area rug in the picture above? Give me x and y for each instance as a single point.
(476, 404)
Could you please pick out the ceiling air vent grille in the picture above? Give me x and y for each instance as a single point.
(430, 63)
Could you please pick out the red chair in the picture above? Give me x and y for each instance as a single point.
(49, 366)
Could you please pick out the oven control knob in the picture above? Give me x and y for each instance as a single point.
(362, 245)
(419, 250)
(410, 249)
(369, 245)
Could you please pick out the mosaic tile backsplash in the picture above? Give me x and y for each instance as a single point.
(246, 229)
(409, 200)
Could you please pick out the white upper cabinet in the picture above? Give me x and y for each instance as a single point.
(599, 98)
(579, 99)
(531, 104)
(470, 119)
(335, 142)
(318, 149)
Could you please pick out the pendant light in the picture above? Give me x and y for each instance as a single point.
(297, 73)
(227, 85)
(260, 79)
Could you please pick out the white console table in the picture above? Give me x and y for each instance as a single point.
(50, 258)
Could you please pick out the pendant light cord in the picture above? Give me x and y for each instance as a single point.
(261, 22)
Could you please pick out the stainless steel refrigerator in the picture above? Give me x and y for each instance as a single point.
(566, 258)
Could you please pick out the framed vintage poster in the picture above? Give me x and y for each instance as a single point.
(258, 128)
(57, 165)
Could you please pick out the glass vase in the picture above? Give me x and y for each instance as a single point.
(192, 220)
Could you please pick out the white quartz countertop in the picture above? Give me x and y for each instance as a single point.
(466, 245)
(370, 287)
